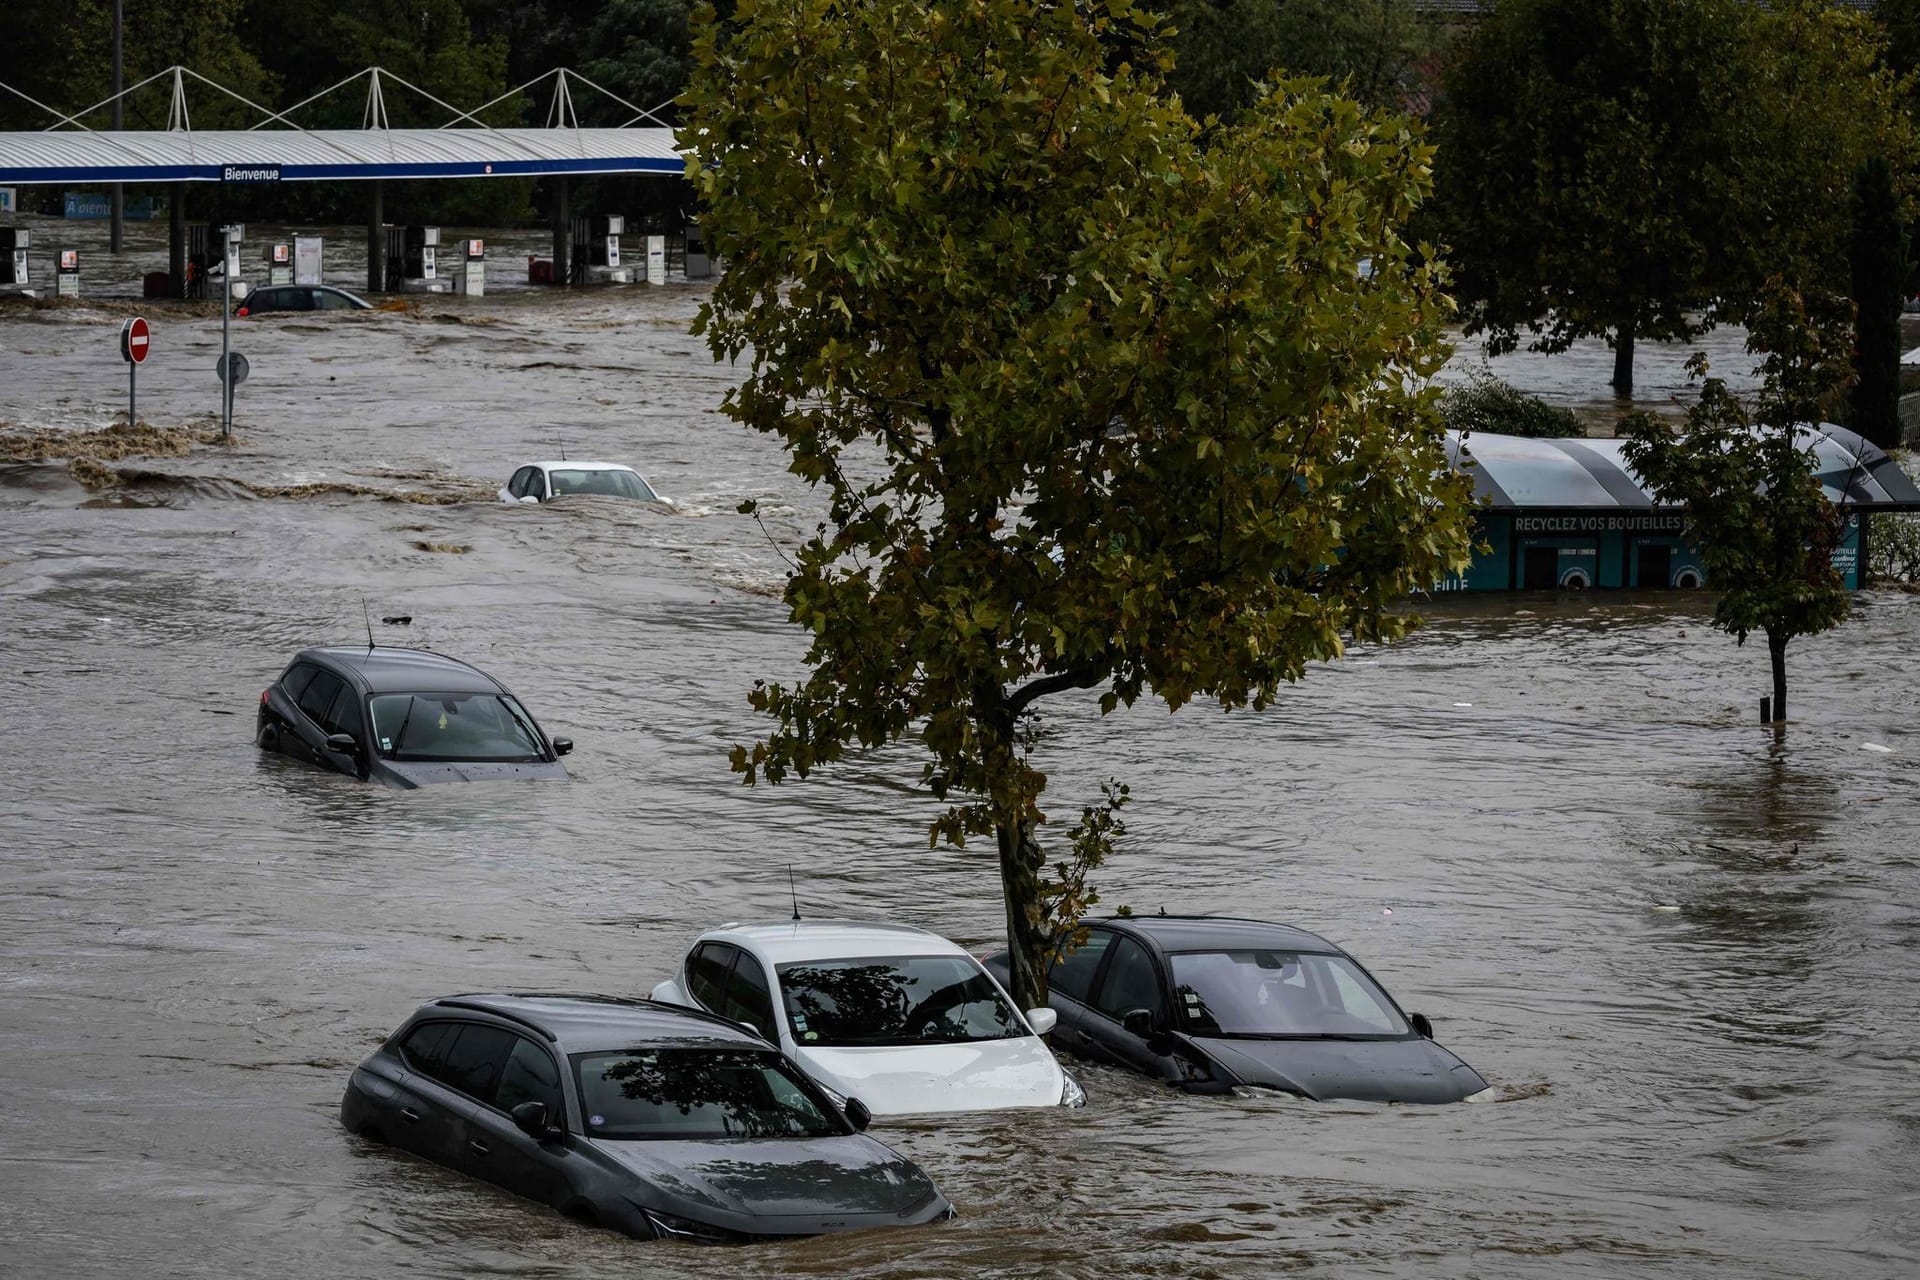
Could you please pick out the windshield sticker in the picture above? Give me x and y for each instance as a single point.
(596, 1119)
(799, 1022)
(386, 744)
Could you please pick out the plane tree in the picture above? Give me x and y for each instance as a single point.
(1093, 402)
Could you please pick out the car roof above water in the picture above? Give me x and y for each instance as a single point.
(784, 941)
(564, 464)
(1200, 933)
(584, 1023)
(383, 670)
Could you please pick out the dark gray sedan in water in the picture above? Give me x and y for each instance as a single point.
(1210, 1004)
(404, 717)
(645, 1118)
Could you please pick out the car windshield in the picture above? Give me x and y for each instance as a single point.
(454, 726)
(894, 1001)
(697, 1093)
(613, 484)
(1280, 993)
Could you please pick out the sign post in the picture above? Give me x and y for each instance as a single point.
(135, 339)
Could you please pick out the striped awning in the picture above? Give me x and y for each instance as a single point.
(1517, 473)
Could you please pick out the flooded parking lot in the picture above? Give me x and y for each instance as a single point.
(1683, 950)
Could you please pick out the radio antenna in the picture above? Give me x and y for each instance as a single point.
(368, 615)
(792, 891)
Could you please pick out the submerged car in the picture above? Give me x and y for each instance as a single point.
(545, 481)
(1211, 1004)
(404, 717)
(299, 297)
(899, 1017)
(659, 1122)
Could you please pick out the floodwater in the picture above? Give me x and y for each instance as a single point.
(1683, 949)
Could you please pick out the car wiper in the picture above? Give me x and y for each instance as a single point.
(526, 726)
(405, 720)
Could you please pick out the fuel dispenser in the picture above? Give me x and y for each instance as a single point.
(13, 255)
(698, 265)
(280, 264)
(607, 230)
(473, 276)
(423, 250)
(67, 283)
(656, 259)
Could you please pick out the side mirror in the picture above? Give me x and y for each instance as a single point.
(1420, 1025)
(857, 1115)
(343, 743)
(1042, 1020)
(561, 746)
(531, 1118)
(1137, 1022)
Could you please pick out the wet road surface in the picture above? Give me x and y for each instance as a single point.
(1684, 951)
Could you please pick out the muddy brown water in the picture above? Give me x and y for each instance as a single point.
(1685, 951)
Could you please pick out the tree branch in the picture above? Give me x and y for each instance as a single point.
(1073, 678)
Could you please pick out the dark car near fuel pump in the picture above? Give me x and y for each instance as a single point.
(1213, 1004)
(405, 717)
(649, 1119)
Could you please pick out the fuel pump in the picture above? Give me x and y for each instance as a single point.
(423, 252)
(607, 231)
(13, 255)
(473, 277)
(67, 283)
(280, 264)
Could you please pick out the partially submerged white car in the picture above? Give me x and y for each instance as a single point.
(545, 481)
(898, 1017)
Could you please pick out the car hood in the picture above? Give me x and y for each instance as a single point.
(1415, 1070)
(785, 1186)
(421, 773)
(979, 1075)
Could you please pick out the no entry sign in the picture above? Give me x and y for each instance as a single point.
(134, 341)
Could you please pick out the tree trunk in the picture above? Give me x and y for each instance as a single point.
(1623, 360)
(1777, 650)
(1020, 863)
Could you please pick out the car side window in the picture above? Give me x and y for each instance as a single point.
(1130, 982)
(317, 698)
(325, 301)
(343, 716)
(521, 482)
(1072, 976)
(537, 484)
(529, 1076)
(425, 1048)
(474, 1059)
(262, 300)
(295, 681)
(707, 967)
(749, 999)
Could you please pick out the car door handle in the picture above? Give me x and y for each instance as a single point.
(479, 1147)
(410, 1115)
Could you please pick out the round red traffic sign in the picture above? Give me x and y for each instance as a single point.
(134, 340)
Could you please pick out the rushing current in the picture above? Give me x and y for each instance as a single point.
(1682, 947)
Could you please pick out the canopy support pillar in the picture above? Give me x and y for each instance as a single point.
(177, 240)
(376, 250)
(562, 232)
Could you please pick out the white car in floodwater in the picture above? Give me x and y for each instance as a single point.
(545, 481)
(898, 1017)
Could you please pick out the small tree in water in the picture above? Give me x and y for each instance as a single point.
(1754, 507)
(1096, 404)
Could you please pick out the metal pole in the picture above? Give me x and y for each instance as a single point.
(132, 421)
(226, 344)
(376, 252)
(119, 192)
(177, 239)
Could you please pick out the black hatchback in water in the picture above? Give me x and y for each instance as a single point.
(651, 1119)
(404, 717)
(1209, 1003)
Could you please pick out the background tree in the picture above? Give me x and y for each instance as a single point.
(1093, 403)
(1764, 528)
(1634, 169)
(1879, 261)
(1225, 49)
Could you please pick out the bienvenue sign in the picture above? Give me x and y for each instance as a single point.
(250, 173)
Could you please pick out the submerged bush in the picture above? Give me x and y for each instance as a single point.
(1893, 538)
(1488, 404)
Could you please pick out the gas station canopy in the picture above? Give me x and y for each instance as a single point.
(256, 156)
(1517, 473)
